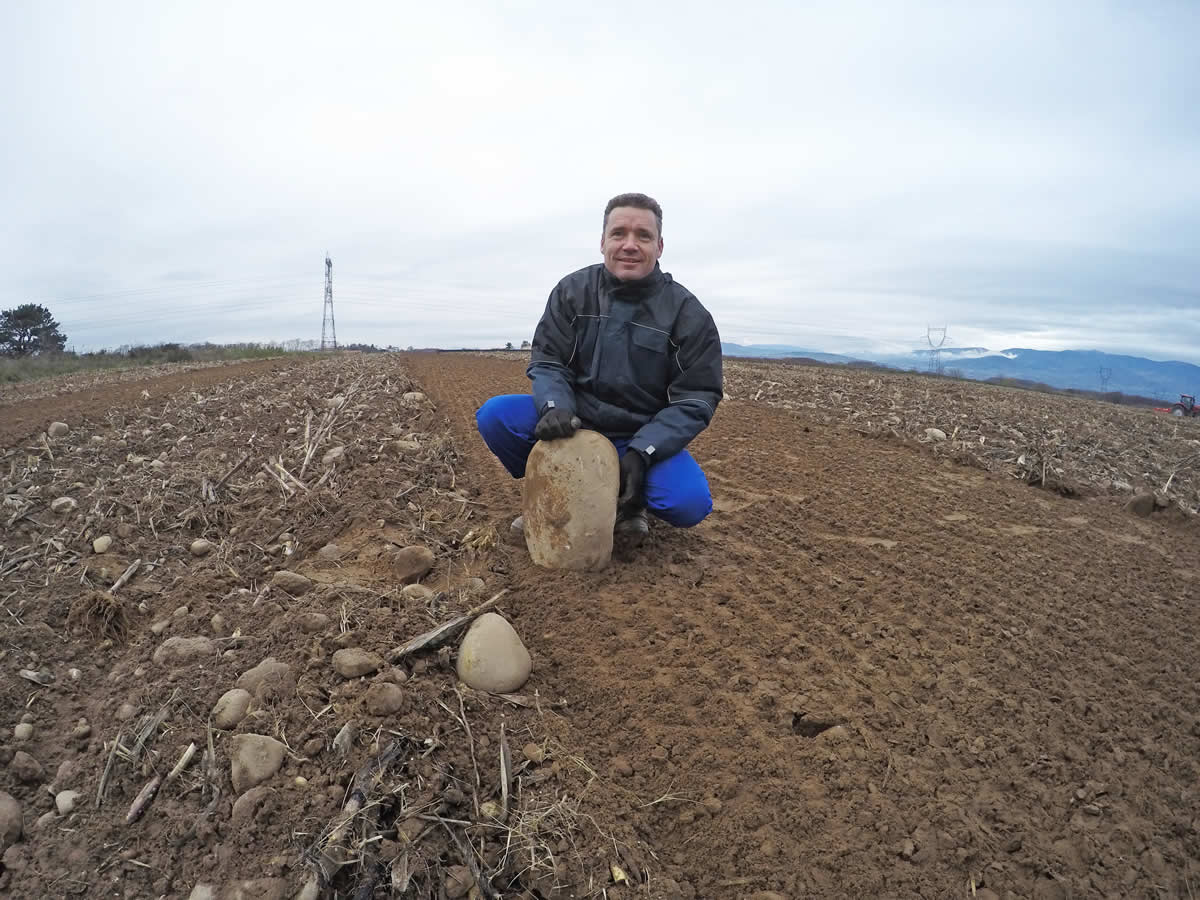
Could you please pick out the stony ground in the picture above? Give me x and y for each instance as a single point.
(886, 666)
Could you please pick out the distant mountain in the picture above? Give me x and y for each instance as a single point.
(1057, 368)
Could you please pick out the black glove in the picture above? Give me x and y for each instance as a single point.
(556, 423)
(633, 478)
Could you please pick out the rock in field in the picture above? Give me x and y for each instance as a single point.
(183, 649)
(247, 806)
(58, 429)
(23, 731)
(384, 698)
(353, 662)
(11, 822)
(332, 455)
(416, 592)
(312, 622)
(200, 547)
(292, 582)
(1142, 505)
(935, 434)
(256, 889)
(411, 564)
(203, 892)
(402, 448)
(231, 708)
(63, 505)
(25, 768)
(414, 397)
(492, 656)
(101, 544)
(64, 801)
(269, 678)
(253, 759)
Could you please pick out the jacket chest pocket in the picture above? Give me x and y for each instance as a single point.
(649, 356)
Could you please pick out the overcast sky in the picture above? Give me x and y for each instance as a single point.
(838, 176)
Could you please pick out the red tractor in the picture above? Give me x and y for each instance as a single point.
(1186, 406)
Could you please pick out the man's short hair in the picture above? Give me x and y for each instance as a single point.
(637, 201)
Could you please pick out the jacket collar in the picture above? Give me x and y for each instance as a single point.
(633, 291)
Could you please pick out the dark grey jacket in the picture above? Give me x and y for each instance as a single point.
(638, 359)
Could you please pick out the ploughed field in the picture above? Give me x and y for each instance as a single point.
(894, 662)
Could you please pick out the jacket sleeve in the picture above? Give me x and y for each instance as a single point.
(552, 351)
(695, 390)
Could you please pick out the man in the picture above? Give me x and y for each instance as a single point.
(627, 351)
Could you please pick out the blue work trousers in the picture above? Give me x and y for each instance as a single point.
(676, 490)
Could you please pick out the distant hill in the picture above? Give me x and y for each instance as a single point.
(1081, 369)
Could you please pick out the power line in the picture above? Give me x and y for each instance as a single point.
(328, 332)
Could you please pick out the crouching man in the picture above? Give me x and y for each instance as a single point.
(625, 350)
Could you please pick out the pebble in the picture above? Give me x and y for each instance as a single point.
(125, 712)
(312, 622)
(291, 582)
(384, 698)
(200, 547)
(353, 662)
(183, 649)
(332, 455)
(270, 675)
(459, 879)
(25, 768)
(622, 766)
(247, 806)
(11, 822)
(125, 530)
(411, 564)
(160, 626)
(180, 612)
(203, 892)
(254, 758)
(231, 708)
(907, 849)
(331, 552)
(58, 429)
(492, 656)
(81, 731)
(23, 732)
(414, 397)
(935, 434)
(402, 448)
(63, 505)
(64, 801)
(219, 626)
(533, 753)
(101, 544)
(418, 592)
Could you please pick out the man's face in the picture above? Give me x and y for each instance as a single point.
(631, 244)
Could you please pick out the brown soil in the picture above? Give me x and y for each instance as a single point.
(872, 671)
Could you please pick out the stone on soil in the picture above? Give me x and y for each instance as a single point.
(246, 807)
(200, 547)
(292, 582)
(416, 592)
(256, 889)
(935, 434)
(253, 759)
(312, 622)
(203, 892)
(400, 448)
(353, 662)
(101, 544)
(23, 731)
(569, 503)
(411, 564)
(64, 801)
(58, 429)
(11, 822)
(231, 708)
(459, 882)
(414, 397)
(331, 552)
(384, 698)
(25, 768)
(269, 677)
(332, 455)
(63, 505)
(183, 649)
(492, 656)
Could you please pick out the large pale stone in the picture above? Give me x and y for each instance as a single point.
(570, 501)
(183, 649)
(292, 582)
(353, 662)
(58, 429)
(411, 564)
(11, 821)
(270, 678)
(253, 759)
(231, 708)
(492, 656)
